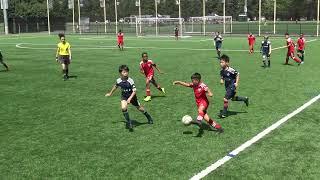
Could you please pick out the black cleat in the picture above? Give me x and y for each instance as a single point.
(246, 101)
(130, 127)
(220, 130)
(150, 120)
(65, 77)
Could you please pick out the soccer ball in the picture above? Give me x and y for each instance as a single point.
(186, 120)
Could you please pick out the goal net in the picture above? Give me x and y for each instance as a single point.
(208, 24)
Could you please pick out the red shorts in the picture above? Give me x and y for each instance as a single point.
(120, 42)
(290, 54)
(150, 77)
(203, 103)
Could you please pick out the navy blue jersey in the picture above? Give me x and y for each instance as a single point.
(127, 86)
(229, 75)
(265, 47)
(218, 39)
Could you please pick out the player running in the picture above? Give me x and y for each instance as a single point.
(176, 33)
(3, 63)
(128, 96)
(63, 56)
(120, 36)
(200, 92)
(266, 51)
(291, 49)
(146, 68)
(251, 41)
(230, 77)
(301, 46)
(218, 43)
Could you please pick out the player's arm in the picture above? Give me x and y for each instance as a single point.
(155, 66)
(57, 53)
(69, 51)
(237, 80)
(181, 83)
(112, 90)
(270, 49)
(209, 92)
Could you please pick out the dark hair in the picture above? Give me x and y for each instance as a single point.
(196, 76)
(286, 34)
(225, 58)
(120, 31)
(144, 54)
(123, 68)
(61, 35)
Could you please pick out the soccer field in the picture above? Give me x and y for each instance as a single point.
(52, 128)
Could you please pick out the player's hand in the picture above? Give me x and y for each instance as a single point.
(236, 85)
(57, 59)
(108, 94)
(221, 81)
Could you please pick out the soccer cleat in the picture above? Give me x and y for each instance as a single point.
(65, 77)
(130, 126)
(246, 101)
(150, 120)
(222, 115)
(220, 130)
(162, 89)
(148, 98)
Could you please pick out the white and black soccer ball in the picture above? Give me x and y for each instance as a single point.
(186, 120)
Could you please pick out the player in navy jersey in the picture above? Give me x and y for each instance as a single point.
(230, 77)
(3, 63)
(128, 95)
(218, 43)
(266, 51)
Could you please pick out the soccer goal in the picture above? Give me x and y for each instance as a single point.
(152, 26)
(208, 24)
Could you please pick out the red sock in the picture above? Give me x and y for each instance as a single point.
(296, 59)
(214, 124)
(148, 92)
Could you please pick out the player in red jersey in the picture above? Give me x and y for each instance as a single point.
(301, 46)
(146, 68)
(200, 93)
(120, 39)
(291, 48)
(251, 40)
(176, 33)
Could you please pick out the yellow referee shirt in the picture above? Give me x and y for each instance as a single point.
(63, 49)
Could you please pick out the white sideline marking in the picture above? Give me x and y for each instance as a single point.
(256, 138)
(286, 46)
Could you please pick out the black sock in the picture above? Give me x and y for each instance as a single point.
(126, 116)
(64, 72)
(219, 53)
(67, 72)
(147, 115)
(302, 57)
(239, 98)
(4, 64)
(269, 63)
(264, 62)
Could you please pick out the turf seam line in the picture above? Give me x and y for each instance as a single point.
(253, 140)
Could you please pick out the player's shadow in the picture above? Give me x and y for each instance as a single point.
(3, 70)
(233, 113)
(158, 96)
(204, 127)
(287, 64)
(73, 77)
(135, 123)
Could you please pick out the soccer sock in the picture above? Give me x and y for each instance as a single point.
(239, 98)
(225, 106)
(64, 72)
(159, 88)
(214, 124)
(219, 53)
(302, 57)
(147, 115)
(269, 62)
(200, 116)
(296, 59)
(126, 116)
(148, 92)
(67, 72)
(4, 64)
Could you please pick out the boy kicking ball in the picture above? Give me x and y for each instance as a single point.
(128, 95)
(200, 92)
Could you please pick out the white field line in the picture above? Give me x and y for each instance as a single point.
(256, 138)
(22, 46)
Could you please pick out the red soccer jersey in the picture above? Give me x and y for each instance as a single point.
(120, 36)
(290, 45)
(251, 39)
(301, 43)
(200, 91)
(147, 67)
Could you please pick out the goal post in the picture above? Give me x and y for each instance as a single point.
(195, 25)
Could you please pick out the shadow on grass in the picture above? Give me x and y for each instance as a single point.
(232, 113)
(73, 77)
(204, 127)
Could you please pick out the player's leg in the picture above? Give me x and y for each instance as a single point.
(153, 81)
(296, 59)
(287, 58)
(213, 123)
(124, 108)
(64, 71)
(264, 59)
(67, 69)
(301, 55)
(240, 98)
(5, 65)
(136, 103)
(269, 61)
(122, 45)
(224, 112)
(148, 92)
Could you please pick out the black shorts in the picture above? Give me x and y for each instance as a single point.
(218, 45)
(134, 100)
(64, 59)
(230, 93)
(300, 51)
